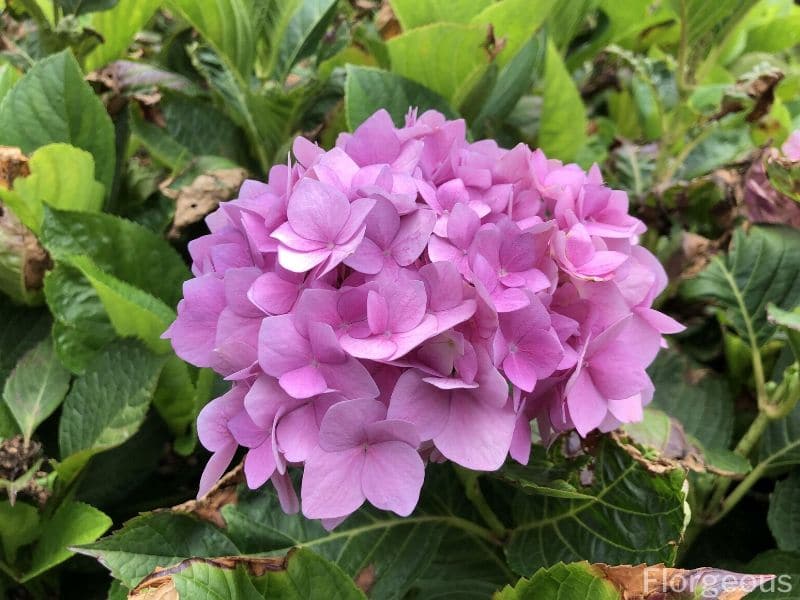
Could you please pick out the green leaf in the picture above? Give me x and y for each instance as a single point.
(514, 21)
(762, 265)
(784, 175)
(81, 326)
(577, 581)
(9, 76)
(412, 13)
(22, 329)
(303, 33)
(177, 399)
(562, 132)
(118, 27)
(72, 524)
(132, 312)
(368, 90)
(52, 103)
(36, 387)
(157, 540)
(19, 526)
(701, 400)
(165, 149)
(108, 403)
(564, 22)
(303, 576)
(228, 26)
(513, 81)
(50, 183)
(784, 513)
(789, 321)
(780, 445)
(80, 7)
(447, 58)
(546, 474)
(123, 249)
(631, 517)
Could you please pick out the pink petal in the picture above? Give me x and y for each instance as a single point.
(368, 258)
(344, 425)
(419, 403)
(300, 262)
(281, 347)
(303, 382)
(350, 378)
(392, 477)
(259, 465)
(317, 211)
(462, 226)
(375, 141)
(377, 313)
(332, 483)
(297, 433)
(587, 407)
(477, 436)
(324, 344)
(273, 294)
(215, 467)
(392, 430)
(602, 263)
(413, 235)
(286, 494)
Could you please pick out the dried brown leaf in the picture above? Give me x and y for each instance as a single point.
(159, 585)
(643, 582)
(13, 164)
(209, 506)
(201, 197)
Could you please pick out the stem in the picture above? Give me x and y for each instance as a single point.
(739, 492)
(472, 489)
(754, 433)
(682, 49)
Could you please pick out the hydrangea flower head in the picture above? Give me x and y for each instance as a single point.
(410, 296)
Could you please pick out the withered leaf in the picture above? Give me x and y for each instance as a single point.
(643, 582)
(201, 197)
(209, 506)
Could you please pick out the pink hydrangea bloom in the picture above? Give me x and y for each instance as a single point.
(411, 296)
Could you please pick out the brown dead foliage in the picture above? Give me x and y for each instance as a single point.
(643, 582)
(201, 197)
(209, 506)
(160, 585)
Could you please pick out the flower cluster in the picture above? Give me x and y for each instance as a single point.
(409, 296)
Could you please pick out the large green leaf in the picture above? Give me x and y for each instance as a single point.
(108, 403)
(395, 551)
(303, 33)
(36, 387)
(79, 7)
(72, 524)
(513, 82)
(780, 445)
(302, 575)
(81, 326)
(447, 58)
(784, 513)
(123, 249)
(52, 103)
(762, 265)
(631, 516)
(368, 89)
(695, 396)
(22, 329)
(228, 26)
(19, 526)
(562, 130)
(514, 21)
(132, 312)
(50, 183)
(577, 581)
(412, 13)
(157, 540)
(118, 27)
(9, 76)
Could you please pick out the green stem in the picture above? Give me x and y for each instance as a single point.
(682, 49)
(472, 488)
(754, 433)
(739, 492)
